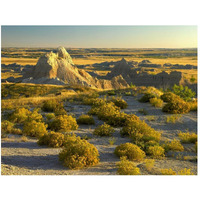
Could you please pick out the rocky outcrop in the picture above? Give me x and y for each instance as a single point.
(142, 78)
(59, 68)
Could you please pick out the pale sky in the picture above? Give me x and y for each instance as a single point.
(100, 36)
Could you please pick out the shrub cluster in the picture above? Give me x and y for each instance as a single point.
(172, 172)
(20, 115)
(109, 113)
(177, 106)
(188, 137)
(126, 167)
(131, 151)
(85, 119)
(104, 130)
(140, 131)
(156, 102)
(174, 145)
(63, 123)
(78, 153)
(54, 106)
(6, 126)
(34, 129)
(52, 139)
(146, 97)
(119, 103)
(156, 151)
(168, 97)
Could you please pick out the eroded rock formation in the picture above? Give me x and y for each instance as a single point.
(59, 68)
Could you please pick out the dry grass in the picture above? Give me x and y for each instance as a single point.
(20, 61)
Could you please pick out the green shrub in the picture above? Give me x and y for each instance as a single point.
(78, 153)
(110, 114)
(150, 143)
(104, 130)
(63, 123)
(34, 129)
(139, 131)
(52, 139)
(119, 103)
(156, 102)
(126, 167)
(131, 151)
(188, 137)
(168, 97)
(85, 119)
(50, 116)
(54, 106)
(184, 92)
(174, 145)
(156, 151)
(146, 98)
(177, 106)
(6, 126)
(20, 115)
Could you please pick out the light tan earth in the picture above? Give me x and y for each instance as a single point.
(27, 158)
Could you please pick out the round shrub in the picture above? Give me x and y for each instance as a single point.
(177, 106)
(131, 151)
(156, 102)
(20, 115)
(50, 116)
(78, 153)
(156, 151)
(54, 106)
(35, 116)
(34, 129)
(63, 123)
(85, 119)
(168, 97)
(140, 131)
(52, 139)
(146, 98)
(104, 130)
(126, 167)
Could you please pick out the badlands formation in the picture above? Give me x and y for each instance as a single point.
(58, 68)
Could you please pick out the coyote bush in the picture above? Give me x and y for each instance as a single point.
(131, 151)
(85, 119)
(168, 97)
(78, 153)
(6, 126)
(104, 130)
(126, 167)
(63, 123)
(20, 115)
(119, 103)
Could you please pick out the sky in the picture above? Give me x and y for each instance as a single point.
(100, 36)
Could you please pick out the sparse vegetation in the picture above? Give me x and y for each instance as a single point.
(112, 140)
(126, 167)
(149, 164)
(173, 118)
(131, 151)
(143, 111)
(185, 172)
(188, 137)
(167, 172)
(104, 130)
(85, 119)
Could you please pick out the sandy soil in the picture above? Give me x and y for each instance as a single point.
(27, 158)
